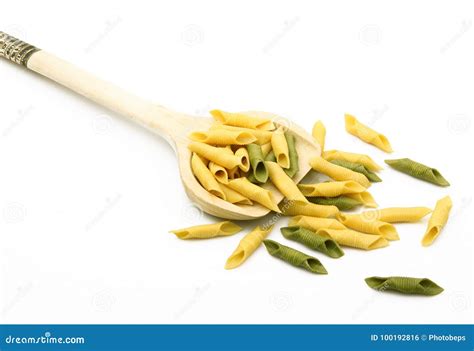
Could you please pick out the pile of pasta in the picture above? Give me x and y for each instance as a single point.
(240, 153)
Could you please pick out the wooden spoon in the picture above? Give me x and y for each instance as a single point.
(173, 126)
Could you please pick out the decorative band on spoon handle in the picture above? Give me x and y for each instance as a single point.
(15, 50)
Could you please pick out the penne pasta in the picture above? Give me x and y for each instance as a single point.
(351, 238)
(247, 246)
(405, 285)
(364, 198)
(262, 136)
(335, 172)
(223, 137)
(319, 134)
(284, 183)
(342, 202)
(320, 242)
(219, 172)
(234, 197)
(254, 193)
(369, 226)
(359, 168)
(365, 160)
(370, 136)
(205, 177)
(397, 214)
(259, 170)
(270, 157)
(292, 155)
(280, 148)
(207, 231)
(294, 208)
(438, 220)
(218, 155)
(242, 153)
(315, 223)
(331, 189)
(418, 170)
(242, 120)
(266, 148)
(294, 257)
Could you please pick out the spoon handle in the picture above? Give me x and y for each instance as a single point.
(154, 117)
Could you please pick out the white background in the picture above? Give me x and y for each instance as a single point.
(87, 198)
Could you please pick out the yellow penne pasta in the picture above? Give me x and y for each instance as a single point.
(319, 133)
(352, 238)
(315, 223)
(364, 197)
(369, 226)
(354, 127)
(266, 148)
(331, 189)
(207, 231)
(280, 148)
(284, 183)
(242, 120)
(335, 172)
(254, 193)
(437, 221)
(352, 157)
(295, 208)
(262, 136)
(247, 246)
(243, 154)
(234, 197)
(219, 172)
(205, 177)
(218, 155)
(397, 214)
(223, 137)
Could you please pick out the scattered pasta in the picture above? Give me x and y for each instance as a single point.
(294, 257)
(335, 172)
(331, 189)
(368, 225)
(397, 214)
(438, 220)
(405, 285)
(359, 168)
(207, 231)
(315, 223)
(319, 133)
(294, 208)
(365, 160)
(354, 127)
(319, 242)
(418, 170)
(352, 238)
(247, 246)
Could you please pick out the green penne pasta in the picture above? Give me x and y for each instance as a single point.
(292, 154)
(319, 242)
(343, 203)
(270, 157)
(405, 285)
(259, 170)
(418, 170)
(359, 168)
(294, 257)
